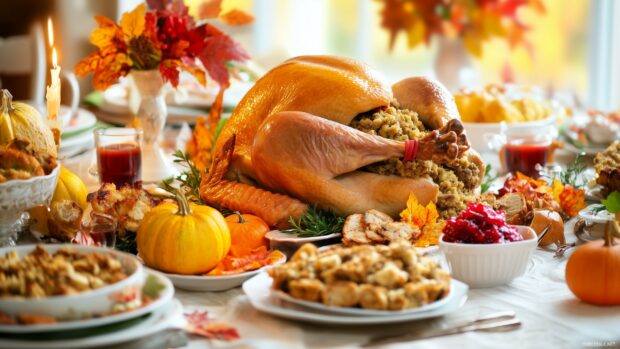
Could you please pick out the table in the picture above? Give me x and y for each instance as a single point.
(552, 317)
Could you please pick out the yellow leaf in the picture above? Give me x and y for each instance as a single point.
(418, 215)
(558, 187)
(415, 33)
(133, 22)
(104, 35)
(473, 44)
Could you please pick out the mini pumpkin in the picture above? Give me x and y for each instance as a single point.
(247, 233)
(183, 238)
(593, 271)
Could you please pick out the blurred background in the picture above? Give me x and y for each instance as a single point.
(574, 45)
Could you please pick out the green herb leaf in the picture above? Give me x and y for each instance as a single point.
(189, 179)
(489, 177)
(612, 203)
(573, 174)
(152, 287)
(316, 223)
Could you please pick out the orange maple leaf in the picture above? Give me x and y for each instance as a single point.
(418, 215)
(572, 200)
(236, 17)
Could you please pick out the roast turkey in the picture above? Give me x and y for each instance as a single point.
(289, 143)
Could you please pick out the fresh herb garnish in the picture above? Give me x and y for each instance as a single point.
(316, 222)
(573, 174)
(612, 202)
(189, 179)
(489, 177)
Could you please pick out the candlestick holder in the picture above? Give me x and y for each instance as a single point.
(152, 114)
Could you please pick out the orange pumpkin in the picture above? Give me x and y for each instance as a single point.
(247, 233)
(593, 271)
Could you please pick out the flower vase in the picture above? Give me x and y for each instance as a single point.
(152, 113)
(454, 67)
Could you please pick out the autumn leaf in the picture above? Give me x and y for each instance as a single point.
(218, 49)
(133, 22)
(199, 323)
(418, 215)
(107, 34)
(415, 34)
(572, 200)
(209, 9)
(236, 17)
(430, 234)
(473, 44)
(168, 68)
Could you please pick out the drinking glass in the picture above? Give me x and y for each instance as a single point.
(119, 155)
(522, 152)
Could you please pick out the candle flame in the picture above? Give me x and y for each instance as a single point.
(54, 57)
(50, 31)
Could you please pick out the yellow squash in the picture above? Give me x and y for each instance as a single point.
(21, 121)
(183, 238)
(70, 187)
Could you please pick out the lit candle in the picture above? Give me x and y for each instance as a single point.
(53, 91)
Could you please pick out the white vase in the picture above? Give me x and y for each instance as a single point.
(152, 113)
(454, 67)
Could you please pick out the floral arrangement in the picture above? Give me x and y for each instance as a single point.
(475, 21)
(163, 37)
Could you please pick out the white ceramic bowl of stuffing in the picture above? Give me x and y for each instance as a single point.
(82, 302)
(490, 265)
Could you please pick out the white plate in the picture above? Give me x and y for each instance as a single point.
(359, 311)
(601, 217)
(259, 292)
(165, 296)
(425, 250)
(84, 120)
(156, 322)
(214, 283)
(276, 235)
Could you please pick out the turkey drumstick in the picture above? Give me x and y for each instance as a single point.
(308, 156)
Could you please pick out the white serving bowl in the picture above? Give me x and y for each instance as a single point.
(18, 195)
(489, 265)
(98, 302)
(478, 133)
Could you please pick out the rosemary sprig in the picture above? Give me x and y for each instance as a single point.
(573, 174)
(489, 177)
(189, 179)
(316, 223)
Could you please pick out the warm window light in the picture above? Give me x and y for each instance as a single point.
(50, 31)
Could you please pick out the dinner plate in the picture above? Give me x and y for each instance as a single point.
(151, 324)
(214, 283)
(83, 120)
(425, 250)
(261, 296)
(359, 311)
(165, 296)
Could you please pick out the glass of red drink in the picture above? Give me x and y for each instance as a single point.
(119, 157)
(527, 153)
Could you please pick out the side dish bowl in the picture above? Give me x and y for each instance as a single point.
(124, 294)
(490, 265)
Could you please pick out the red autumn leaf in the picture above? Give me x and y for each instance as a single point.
(199, 323)
(168, 68)
(218, 49)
